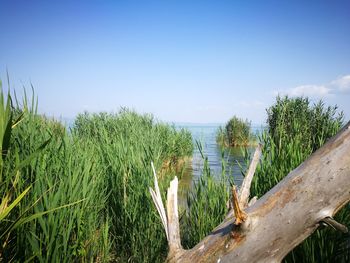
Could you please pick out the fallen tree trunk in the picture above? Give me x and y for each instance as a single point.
(271, 227)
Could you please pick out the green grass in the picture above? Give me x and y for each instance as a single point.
(84, 192)
(236, 132)
(126, 145)
(296, 128)
(206, 205)
(59, 172)
(82, 195)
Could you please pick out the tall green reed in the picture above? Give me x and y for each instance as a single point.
(61, 173)
(207, 204)
(126, 143)
(237, 132)
(295, 130)
(88, 187)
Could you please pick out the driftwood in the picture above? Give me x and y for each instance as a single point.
(265, 230)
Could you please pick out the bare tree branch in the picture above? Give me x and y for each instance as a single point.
(244, 192)
(157, 199)
(175, 248)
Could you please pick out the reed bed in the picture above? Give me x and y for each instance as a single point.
(43, 159)
(236, 132)
(297, 128)
(126, 143)
(82, 195)
(206, 204)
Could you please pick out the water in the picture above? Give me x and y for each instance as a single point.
(205, 134)
(233, 157)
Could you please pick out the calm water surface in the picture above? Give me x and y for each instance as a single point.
(206, 135)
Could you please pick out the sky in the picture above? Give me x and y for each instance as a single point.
(183, 61)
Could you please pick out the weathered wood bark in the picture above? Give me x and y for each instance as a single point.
(286, 215)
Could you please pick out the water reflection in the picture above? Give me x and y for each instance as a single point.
(206, 135)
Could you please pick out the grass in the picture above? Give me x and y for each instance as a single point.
(84, 192)
(58, 172)
(237, 132)
(127, 143)
(206, 205)
(296, 129)
(82, 195)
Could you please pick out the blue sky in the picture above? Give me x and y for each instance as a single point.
(184, 61)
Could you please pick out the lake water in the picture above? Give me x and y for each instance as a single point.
(206, 135)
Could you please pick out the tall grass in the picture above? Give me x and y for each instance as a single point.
(59, 172)
(9, 176)
(88, 187)
(126, 144)
(237, 132)
(296, 128)
(207, 204)
(82, 195)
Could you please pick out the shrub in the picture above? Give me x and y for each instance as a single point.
(237, 132)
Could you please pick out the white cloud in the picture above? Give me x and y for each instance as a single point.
(342, 84)
(309, 90)
(339, 85)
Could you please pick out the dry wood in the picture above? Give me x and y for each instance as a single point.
(175, 248)
(244, 192)
(286, 215)
(335, 225)
(157, 199)
(170, 220)
(241, 200)
(240, 215)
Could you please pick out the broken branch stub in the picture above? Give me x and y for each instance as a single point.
(242, 198)
(174, 241)
(157, 200)
(334, 224)
(240, 215)
(244, 192)
(170, 220)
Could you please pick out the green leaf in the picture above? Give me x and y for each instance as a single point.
(7, 210)
(20, 221)
(33, 155)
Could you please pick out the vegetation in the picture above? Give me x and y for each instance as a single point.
(237, 132)
(295, 130)
(125, 145)
(82, 195)
(206, 205)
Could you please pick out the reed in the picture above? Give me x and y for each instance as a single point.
(207, 204)
(126, 144)
(237, 132)
(58, 172)
(296, 129)
(83, 193)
